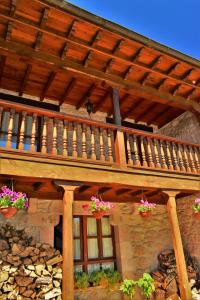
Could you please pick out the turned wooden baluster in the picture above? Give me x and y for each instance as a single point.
(169, 158)
(149, 153)
(74, 141)
(65, 141)
(144, 161)
(92, 146)
(44, 136)
(22, 130)
(181, 162)
(193, 169)
(110, 155)
(102, 154)
(176, 165)
(164, 166)
(130, 161)
(10, 129)
(84, 149)
(185, 159)
(33, 133)
(197, 164)
(136, 152)
(55, 134)
(157, 159)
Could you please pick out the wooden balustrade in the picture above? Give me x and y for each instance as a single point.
(35, 130)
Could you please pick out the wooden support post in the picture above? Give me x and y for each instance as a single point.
(116, 107)
(67, 239)
(178, 246)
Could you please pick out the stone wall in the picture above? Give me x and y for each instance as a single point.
(185, 127)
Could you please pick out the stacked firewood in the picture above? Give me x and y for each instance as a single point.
(166, 278)
(28, 270)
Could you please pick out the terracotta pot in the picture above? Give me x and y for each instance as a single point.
(8, 212)
(197, 215)
(145, 214)
(98, 214)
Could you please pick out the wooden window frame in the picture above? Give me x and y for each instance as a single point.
(84, 261)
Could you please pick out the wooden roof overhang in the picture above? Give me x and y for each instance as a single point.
(52, 49)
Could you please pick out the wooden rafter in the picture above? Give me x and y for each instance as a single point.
(109, 65)
(84, 188)
(146, 111)
(96, 38)
(173, 68)
(64, 51)
(54, 63)
(38, 41)
(87, 58)
(118, 46)
(161, 83)
(25, 79)
(47, 85)
(176, 89)
(104, 189)
(122, 191)
(128, 72)
(156, 62)
(2, 66)
(68, 90)
(102, 100)
(134, 106)
(45, 16)
(100, 51)
(145, 78)
(86, 95)
(72, 29)
(187, 74)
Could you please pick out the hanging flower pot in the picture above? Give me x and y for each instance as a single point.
(99, 214)
(8, 212)
(145, 214)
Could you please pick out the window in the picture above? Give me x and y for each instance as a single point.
(93, 244)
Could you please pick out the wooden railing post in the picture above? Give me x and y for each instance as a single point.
(67, 239)
(178, 246)
(120, 149)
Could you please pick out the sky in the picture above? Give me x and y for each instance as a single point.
(174, 23)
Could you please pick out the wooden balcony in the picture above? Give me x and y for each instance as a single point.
(43, 132)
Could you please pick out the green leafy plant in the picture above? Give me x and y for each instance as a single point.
(128, 287)
(146, 283)
(10, 198)
(96, 278)
(113, 277)
(81, 280)
(196, 206)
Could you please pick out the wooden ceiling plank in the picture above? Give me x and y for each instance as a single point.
(9, 31)
(158, 115)
(100, 51)
(45, 16)
(109, 65)
(2, 67)
(118, 46)
(55, 63)
(128, 72)
(102, 100)
(87, 58)
(47, 85)
(25, 79)
(129, 111)
(38, 41)
(72, 28)
(68, 90)
(86, 95)
(13, 7)
(96, 38)
(146, 111)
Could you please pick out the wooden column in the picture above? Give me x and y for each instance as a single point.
(178, 246)
(116, 107)
(67, 239)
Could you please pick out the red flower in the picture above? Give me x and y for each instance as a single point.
(85, 207)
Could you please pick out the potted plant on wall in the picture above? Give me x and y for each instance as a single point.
(146, 208)
(196, 208)
(98, 207)
(11, 201)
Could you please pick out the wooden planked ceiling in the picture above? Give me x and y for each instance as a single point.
(48, 52)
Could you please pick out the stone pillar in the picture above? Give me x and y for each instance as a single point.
(178, 246)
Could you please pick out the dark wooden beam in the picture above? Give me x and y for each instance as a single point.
(149, 109)
(128, 72)
(83, 188)
(64, 51)
(86, 95)
(38, 41)
(102, 100)
(87, 58)
(122, 191)
(96, 38)
(55, 63)
(116, 107)
(129, 111)
(25, 79)
(173, 68)
(47, 85)
(161, 83)
(138, 54)
(156, 62)
(72, 29)
(176, 89)
(2, 66)
(9, 31)
(121, 101)
(118, 46)
(103, 190)
(109, 65)
(13, 7)
(187, 74)
(68, 90)
(144, 78)
(45, 16)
